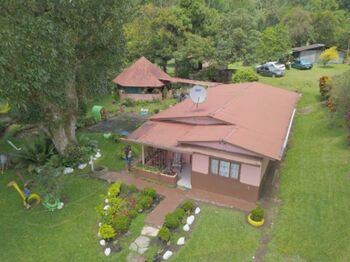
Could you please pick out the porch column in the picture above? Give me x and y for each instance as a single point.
(143, 154)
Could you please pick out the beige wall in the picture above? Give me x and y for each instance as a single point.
(200, 163)
(250, 175)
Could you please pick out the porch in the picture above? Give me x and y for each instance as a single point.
(169, 165)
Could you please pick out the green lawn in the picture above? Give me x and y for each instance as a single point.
(220, 235)
(312, 224)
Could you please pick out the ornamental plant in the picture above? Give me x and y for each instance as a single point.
(107, 232)
(121, 223)
(188, 206)
(257, 214)
(164, 234)
(114, 189)
(171, 221)
(325, 85)
(151, 192)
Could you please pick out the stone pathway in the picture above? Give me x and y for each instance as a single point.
(141, 244)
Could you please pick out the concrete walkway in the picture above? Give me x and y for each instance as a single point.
(174, 196)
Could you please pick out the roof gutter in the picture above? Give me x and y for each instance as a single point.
(288, 133)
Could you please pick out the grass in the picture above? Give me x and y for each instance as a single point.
(312, 224)
(220, 235)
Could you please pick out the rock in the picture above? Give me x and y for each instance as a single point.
(60, 205)
(133, 247)
(167, 255)
(107, 251)
(106, 207)
(197, 210)
(106, 201)
(99, 224)
(150, 231)
(68, 170)
(98, 155)
(190, 220)
(186, 228)
(141, 244)
(82, 166)
(102, 242)
(180, 241)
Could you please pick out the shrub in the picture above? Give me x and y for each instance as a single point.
(132, 213)
(107, 232)
(114, 189)
(128, 102)
(171, 221)
(325, 86)
(121, 224)
(145, 201)
(164, 234)
(148, 191)
(245, 75)
(257, 214)
(188, 206)
(156, 110)
(115, 138)
(180, 213)
(116, 204)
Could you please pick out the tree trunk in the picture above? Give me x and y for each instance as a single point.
(63, 123)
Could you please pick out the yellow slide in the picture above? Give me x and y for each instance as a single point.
(33, 199)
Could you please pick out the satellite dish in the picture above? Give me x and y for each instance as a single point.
(198, 94)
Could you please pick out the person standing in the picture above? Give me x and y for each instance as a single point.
(129, 158)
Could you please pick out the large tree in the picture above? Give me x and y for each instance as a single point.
(299, 25)
(274, 43)
(54, 52)
(238, 38)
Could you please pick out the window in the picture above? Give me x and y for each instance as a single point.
(214, 166)
(224, 168)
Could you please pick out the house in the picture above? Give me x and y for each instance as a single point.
(223, 145)
(144, 80)
(312, 53)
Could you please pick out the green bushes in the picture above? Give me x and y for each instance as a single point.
(107, 232)
(180, 213)
(257, 214)
(121, 224)
(114, 189)
(128, 102)
(188, 206)
(151, 192)
(245, 75)
(145, 202)
(164, 234)
(171, 221)
(325, 85)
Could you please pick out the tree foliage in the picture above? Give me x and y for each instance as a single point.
(329, 55)
(52, 53)
(341, 92)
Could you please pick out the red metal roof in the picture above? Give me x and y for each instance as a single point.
(257, 118)
(142, 73)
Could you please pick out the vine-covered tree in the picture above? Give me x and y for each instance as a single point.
(54, 52)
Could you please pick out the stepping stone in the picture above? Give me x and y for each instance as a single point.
(186, 228)
(134, 257)
(150, 231)
(141, 244)
(167, 255)
(102, 242)
(107, 251)
(197, 211)
(180, 241)
(190, 220)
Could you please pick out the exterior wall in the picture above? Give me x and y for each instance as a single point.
(264, 165)
(246, 187)
(250, 175)
(200, 163)
(225, 186)
(224, 147)
(341, 59)
(140, 97)
(310, 55)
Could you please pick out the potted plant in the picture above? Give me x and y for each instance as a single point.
(256, 217)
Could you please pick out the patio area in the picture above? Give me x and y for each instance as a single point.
(173, 197)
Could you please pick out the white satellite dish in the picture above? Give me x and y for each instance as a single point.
(198, 94)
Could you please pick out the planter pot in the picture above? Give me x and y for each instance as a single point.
(255, 223)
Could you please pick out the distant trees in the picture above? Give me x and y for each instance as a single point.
(274, 43)
(329, 55)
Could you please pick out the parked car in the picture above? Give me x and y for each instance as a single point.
(301, 64)
(269, 70)
(277, 65)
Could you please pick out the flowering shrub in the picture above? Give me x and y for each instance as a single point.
(325, 85)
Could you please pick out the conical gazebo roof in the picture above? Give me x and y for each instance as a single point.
(142, 73)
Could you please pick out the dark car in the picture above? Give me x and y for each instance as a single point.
(301, 64)
(269, 70)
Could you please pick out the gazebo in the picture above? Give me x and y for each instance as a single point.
(142, 81)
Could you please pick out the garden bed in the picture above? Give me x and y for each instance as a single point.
(158, 176)
(121, 205)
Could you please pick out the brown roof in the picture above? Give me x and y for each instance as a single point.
(307, 47)
(257, 118)
(142, 73)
